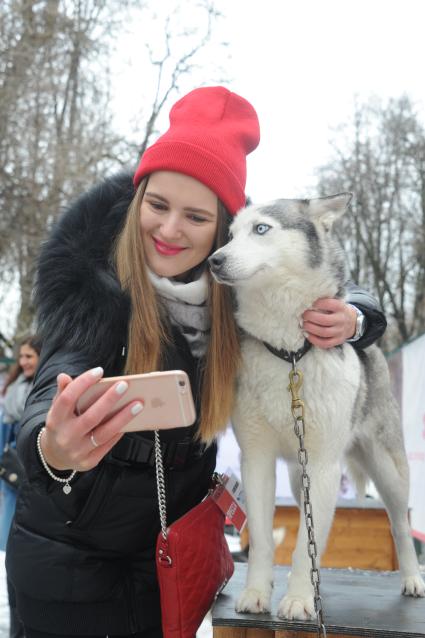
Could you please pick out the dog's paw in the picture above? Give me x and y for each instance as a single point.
(413, 586)
(253, 601)
(296, 607)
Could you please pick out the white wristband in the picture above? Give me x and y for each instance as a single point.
(66, 488)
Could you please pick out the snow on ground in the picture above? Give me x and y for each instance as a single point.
(4, 607)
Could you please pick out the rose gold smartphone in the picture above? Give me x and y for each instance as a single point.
(167, 397)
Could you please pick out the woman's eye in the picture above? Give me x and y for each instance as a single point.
(197, 219)
(158, 205)
(261, 229)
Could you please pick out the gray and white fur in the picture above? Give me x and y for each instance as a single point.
(280, 259)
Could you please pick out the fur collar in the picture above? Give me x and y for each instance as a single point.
(79, 301)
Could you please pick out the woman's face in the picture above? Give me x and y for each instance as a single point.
(178, 220)
(28, 360)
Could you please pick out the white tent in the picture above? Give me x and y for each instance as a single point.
(407, 367)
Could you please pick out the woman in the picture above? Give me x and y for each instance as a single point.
(123, 284)
(15, 391)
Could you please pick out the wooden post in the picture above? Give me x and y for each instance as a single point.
(360, 536)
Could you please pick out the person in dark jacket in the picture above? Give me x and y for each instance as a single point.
(123, 287)
(15, 391)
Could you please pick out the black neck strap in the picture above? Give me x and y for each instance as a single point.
(288, 355)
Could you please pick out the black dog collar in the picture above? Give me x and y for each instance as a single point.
(287, 355)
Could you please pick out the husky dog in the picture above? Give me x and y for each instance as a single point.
(280, 258)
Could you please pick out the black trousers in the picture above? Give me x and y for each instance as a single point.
(149, 633)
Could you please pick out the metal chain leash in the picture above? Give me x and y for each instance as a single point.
(297, 409)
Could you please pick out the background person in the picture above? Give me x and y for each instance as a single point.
(123, 284)
(15, 392)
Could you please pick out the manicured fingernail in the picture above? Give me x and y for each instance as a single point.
(121, 387)
(97, 372)
(136, 408)
(301, 323)
(305, 334)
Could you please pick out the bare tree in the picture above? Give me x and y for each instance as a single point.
(56, 126)
(380, 157)
(172, 63)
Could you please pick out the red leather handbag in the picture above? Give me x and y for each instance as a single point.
(193, 561)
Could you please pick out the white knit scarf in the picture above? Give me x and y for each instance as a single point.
(186, 305)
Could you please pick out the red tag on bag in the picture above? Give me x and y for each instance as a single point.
(229, 497)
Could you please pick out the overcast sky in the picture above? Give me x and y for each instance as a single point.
(301, 63)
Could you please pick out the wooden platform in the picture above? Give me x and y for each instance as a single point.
(360, 536)
(355, 603)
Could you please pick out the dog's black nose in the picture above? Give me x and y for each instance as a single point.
(216, 261)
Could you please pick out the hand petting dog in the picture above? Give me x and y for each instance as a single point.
(329, 323)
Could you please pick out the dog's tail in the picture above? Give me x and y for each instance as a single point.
(357, 476)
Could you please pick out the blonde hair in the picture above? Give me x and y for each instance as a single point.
(148, 334)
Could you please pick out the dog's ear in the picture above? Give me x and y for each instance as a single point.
(327, 209)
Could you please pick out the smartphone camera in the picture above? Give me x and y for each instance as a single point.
(182, 386)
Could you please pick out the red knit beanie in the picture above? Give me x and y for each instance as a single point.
(211, 132)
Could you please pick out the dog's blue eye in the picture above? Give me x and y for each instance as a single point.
(261, 229)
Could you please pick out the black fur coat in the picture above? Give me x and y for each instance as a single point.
(78, 298)
(83, 563)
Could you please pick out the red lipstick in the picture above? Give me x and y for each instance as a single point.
(167, 249)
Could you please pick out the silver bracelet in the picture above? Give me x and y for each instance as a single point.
(66, 488)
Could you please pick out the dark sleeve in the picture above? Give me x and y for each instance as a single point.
(375, 318)
(39, 402)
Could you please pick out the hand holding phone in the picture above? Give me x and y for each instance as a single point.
(166, 397)
(89, 414)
